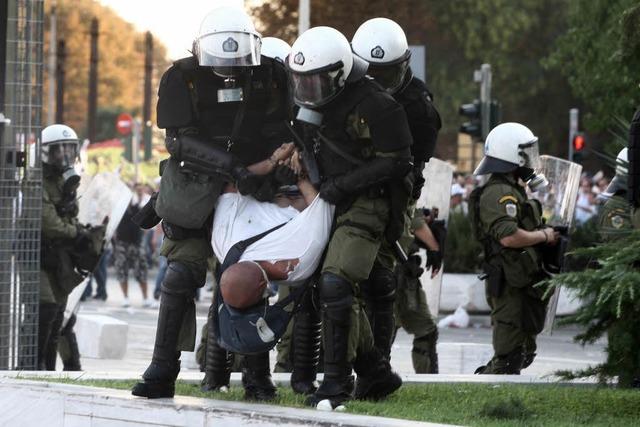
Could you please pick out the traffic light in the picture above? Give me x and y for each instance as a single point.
(578, 144)
(471, 111)
(495, 114)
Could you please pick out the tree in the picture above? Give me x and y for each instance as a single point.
(515, 37)
(120, 62)
(600, 56)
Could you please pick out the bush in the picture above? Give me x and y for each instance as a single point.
(462, 251)
(611, 293)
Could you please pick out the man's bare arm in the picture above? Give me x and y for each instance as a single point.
(425, 235)
(523, 238)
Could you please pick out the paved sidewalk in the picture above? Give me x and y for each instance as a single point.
(461, 351)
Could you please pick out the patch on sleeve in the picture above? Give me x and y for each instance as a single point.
(617, 221)
(508, 199)
(512, 209)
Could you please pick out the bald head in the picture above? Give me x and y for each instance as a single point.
(242, 284)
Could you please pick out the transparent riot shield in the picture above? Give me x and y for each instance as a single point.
(104, 195)
(435, 194)
(558, 201)
(101, 196)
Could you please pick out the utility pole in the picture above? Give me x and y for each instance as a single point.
(146, 109)
(485, 99)
(52, 65)
(93, 82)
(60, 72)
(574, 115)
(304, 15)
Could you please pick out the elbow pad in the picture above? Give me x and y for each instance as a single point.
(374, 172)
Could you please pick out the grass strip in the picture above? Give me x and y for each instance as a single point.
(466, 404)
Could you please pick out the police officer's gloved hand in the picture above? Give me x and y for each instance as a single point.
(412, 267)
(331, 192)
(83, 238)
(284, 175)
(246, 182)
(434, 259)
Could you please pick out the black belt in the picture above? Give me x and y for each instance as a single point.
(175, 232)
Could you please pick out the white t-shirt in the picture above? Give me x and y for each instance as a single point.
(303, 237)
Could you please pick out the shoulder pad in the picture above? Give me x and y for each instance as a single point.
(187, 64)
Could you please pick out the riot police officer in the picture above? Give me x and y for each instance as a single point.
(221, 110)
(614, 219)
(383, 44)
(362, 145)
(510, 227)
(61, 234)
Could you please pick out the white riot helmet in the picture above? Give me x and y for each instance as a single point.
(320, 64)
(619, 182)
(510, 147)
(227, 38)
(59, 146)
(275, 48)
(382, 43)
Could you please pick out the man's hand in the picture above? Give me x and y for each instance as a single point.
(330, 192)
(551, 236)
(282, 153)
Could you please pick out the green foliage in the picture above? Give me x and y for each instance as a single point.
(461, 248)
(600, 56)
(611, 294)
(482, 405)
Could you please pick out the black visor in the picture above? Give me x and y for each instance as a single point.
(389, 76)
(313, 89)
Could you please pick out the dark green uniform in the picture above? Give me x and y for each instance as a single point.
(364, 178)
(614, 219)
(57, 276)
(517, 307)
(411, 307)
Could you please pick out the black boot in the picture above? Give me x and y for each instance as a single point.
(160, 376)
(46, 316)
(51, 350)
(72, 362)
(256, 377)
(217, 372)
(306, 336)
(382, 319)
(375, 379)
(510, 364)
(336, 298)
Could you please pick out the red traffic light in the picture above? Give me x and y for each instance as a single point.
(578, 142)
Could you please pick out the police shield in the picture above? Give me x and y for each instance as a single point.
(436, 195)
(558, 201)
(101, 196)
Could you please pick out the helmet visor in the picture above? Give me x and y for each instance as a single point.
(531, 155)
(60, 154)
(228, 49)
(317, 88)
(389, 76)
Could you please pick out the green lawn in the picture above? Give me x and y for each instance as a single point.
(472, 404)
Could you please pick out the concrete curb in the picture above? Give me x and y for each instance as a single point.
(283, 378)
(73, 405)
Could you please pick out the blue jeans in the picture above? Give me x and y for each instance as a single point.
(100, 274)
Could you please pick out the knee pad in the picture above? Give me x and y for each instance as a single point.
(179, 280)
(336, 293)
(383, 284)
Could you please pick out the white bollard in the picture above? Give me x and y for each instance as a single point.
(101, 337)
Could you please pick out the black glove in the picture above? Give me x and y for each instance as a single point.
(246, 182)
(434, 259)
(330, 192)
(284, 175)
(412, 267)
(82, 241)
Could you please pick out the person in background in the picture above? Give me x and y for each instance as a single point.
(458, 204)
(128, 253)
(585, 207)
